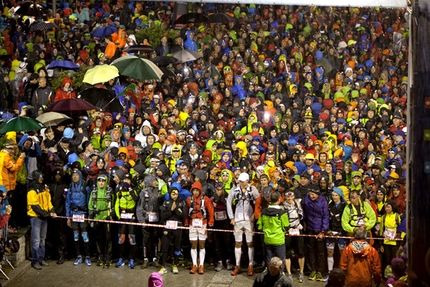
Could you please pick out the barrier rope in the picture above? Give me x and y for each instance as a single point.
(220, 230)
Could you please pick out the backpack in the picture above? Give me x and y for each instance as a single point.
(202, 206)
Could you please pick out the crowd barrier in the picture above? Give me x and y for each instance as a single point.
(216, 230)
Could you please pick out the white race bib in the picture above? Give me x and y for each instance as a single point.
(126, 215)
(78, 217)
(220, 215)
(390, 233)
(171, 224)
(197, 223)
(153, 217)
(294, 231)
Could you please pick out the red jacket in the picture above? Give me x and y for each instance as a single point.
(195, 211)
(360, 261)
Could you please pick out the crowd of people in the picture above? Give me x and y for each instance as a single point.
(292, 121)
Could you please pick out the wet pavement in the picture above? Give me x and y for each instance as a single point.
(82, 275)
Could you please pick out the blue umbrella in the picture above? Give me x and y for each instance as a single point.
(64, 65)
(104, 31)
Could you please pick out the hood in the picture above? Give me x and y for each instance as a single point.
(273, 210)
(360, 248)
(242, 145)
(197, 185)
(147, 124)
(72, 158)
(79, 183)
(201, 174)
(65, 81)
(148, 180)
(123, 150)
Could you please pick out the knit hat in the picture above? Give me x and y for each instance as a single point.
(339, 191)
(120, 173)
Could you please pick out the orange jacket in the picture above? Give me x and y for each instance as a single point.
(259, 205)
(195, 211)
(110, 50)
(9, 169)
(360, 261)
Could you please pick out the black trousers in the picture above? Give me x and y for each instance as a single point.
(316, 251)
(171, 237)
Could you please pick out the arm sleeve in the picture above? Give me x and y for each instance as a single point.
(346, 217)
(210, 209)
(376, 267)
(117, 208)
(326, 217)
(371, 217)
(11, 165)
(67, 204)
(258, 207)
(343, 263)
(229, 204)
(139, 210)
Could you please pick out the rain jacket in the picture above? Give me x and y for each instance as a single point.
(350, 216)
(100, 203)
(244, 202)
(149, 201)
(77, 198)
(315, 214)
(39, 201)
(199, 207)
(9, 169)
(190, 44)
(360, 261)
(61, 94)
(274, 223)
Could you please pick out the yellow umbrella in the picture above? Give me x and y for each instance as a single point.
(100, 74)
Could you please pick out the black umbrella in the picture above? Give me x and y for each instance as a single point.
(41, 26)
(192, 18)
(102, 99)
(220, 18)
(167, 72)
(32, 9)
(139, 48)
(163, 61)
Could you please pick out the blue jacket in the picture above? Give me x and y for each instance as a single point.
(77, 198)
(190, 44)
(316, 214)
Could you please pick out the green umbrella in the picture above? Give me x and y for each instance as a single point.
(20, 124)
(138, 68)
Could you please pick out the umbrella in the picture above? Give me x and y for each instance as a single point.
(220, 18)
(186, 55)
(71, 105)
(32, 9)
(103, 31)
(63, 64)
(167, 72)
(102, 99)
(139, 48)
(52, 118)
(138, 68)
(41, 26)
(163, 61)
(100, 74)
(192, 18)
(20, 124)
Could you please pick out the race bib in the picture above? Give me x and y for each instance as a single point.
(78, 217)
(197, 223)
(126, 215)
(294, 231)
(153, 217)
(171, 224)
(390, 233)
(220, 215)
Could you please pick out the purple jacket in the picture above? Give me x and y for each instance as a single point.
(316, 214)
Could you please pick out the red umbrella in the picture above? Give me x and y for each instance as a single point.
(70, 106)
